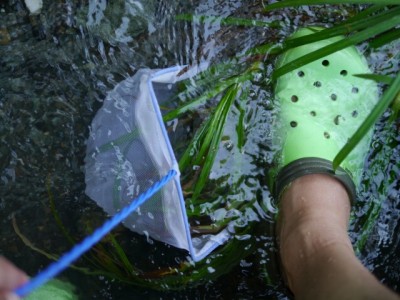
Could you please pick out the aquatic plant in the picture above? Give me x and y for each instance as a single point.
(213, 94)
(375, 25)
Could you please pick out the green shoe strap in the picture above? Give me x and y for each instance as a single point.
(312, 165)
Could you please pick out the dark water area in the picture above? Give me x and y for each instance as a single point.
(55, 71)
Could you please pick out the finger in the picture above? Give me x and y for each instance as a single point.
(10, 276)
(11, 296)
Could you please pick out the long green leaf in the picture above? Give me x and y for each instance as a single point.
(289, 3)
(216, 135)
(212, 130)
(194, 144)
(369, 122)
(368, 226)
(268, 48)
(240, 126)
(385, 38)
(121, 254)
(336, 46)
(205, 81)
(123, 139)
(218, 85)
(56, 216)
(376, 77)
(365, 13)
(227, 21)
(343, 28)
(58, 220)
(208, 95)
(396, 108)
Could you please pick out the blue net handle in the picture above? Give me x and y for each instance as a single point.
(55, 268)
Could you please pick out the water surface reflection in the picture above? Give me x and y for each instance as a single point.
(56, 69)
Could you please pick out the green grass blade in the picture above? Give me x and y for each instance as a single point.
(269, 48)
(209, 131)
(396, 108)
(240, 126)
(219, 88)
(376, 77)
(392, 91)
(56, 216)
(365, 13)
(227, 21)
(122, 256)
(336, 46)
(216, 135)
(206, 80)
(29, 244)
(385, 38)
(289, 3)
(123, 139)
(194, 144)
(368, 226)
(212, 130)
(105, 260)
(343, 28)
(214, 81)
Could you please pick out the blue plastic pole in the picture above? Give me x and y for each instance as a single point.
(57, 267)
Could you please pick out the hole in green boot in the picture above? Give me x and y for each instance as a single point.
(293, 124)
(354, 114)
(294, 98)
(300, 73)
(337, 119)
(334, 97)
(354, 90)
(325, 62)
(326, 135)
(317, 84)
(313, 113)
(343, 73)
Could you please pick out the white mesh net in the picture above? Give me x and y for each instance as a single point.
(128, 150)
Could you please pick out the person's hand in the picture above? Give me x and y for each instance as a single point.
(10, 278)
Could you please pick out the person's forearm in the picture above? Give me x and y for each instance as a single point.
(315, 249)
(330, 271)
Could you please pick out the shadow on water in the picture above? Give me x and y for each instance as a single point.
(55, 71)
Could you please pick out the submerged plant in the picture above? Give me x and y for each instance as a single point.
(377, 26)
(214, 94)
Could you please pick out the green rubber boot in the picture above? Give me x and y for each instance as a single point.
(321, 105)
(54, 290)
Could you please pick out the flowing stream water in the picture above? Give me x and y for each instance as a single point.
(55, 70)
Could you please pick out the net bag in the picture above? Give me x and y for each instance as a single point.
(129, 149)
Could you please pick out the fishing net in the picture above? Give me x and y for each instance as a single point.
(129, 149)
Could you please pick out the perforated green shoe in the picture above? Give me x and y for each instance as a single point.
(54, 290)
(321, 105)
